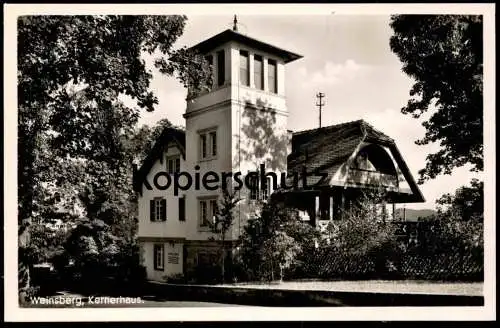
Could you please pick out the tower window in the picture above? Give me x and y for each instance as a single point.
(221, 72)
(244, 68)
(210, 60)
(272, 76)
(208, 145)
(258, 72)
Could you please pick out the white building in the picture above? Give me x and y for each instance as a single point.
(238, 125)
(235, 127)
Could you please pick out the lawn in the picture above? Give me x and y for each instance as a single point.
(377, 286)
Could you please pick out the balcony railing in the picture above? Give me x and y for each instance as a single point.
(372, 178)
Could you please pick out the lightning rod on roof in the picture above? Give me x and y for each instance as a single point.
(235, 24)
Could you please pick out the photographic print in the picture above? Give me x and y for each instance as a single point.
(309, 157)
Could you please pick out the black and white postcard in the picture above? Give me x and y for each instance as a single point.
(249, 162)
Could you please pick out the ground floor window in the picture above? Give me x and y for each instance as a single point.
(159, 257)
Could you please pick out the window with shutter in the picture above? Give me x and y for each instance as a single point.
(158, 209)
(182, 208)
(163, 210)
(152, 210)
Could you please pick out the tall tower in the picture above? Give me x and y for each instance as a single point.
(240, 123)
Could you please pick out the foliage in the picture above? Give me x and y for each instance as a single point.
(466, 204)
(75, 154)
(222, 223)
(365, 235)
(276, 239)
(142, 141)
(280, 249)
(444, 55)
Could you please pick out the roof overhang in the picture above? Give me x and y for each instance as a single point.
(230, 35)
(167, 137)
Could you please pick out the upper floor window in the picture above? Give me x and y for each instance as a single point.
(244, 68)
(208, 144)
(267, 190)
(158, 209)
(173, 164)
(260, 192)
(254, 188)
(272, 76)
(207, 211)
(258, 69)
(221, 72)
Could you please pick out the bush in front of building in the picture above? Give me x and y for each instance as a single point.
(445, 249)
(272, 244)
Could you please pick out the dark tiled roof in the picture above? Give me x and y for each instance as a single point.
(326, 149)
(168, 135)
(230, 35)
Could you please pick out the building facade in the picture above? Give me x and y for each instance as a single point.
(237, 127)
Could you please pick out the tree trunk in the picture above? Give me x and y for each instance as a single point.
(272, 270)
(27, 158)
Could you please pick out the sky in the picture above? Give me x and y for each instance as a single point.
(346, 57)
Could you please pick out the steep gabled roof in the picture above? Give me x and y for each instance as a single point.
(230, 35)
(327, 149)
(169, 135)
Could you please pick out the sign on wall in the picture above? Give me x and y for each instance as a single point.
(173, 258)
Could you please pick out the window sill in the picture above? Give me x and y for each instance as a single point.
(158, 269)
(207, 159)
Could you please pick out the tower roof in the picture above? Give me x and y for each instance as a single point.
(231, 35)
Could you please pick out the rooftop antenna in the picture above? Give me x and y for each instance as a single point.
(320, 104)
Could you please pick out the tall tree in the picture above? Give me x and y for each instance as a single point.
(444, 55)
(466, 204)
(73, 72)
(221, 225)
